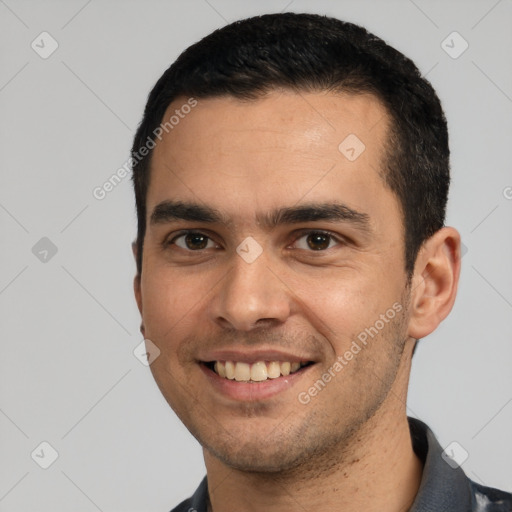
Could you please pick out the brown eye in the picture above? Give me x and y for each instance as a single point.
(194, 241)
(316, 241)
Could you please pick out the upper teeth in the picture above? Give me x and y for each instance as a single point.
(257, 372)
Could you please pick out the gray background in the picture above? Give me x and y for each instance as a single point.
(69, 323)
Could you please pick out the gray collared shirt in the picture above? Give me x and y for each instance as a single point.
(444, 487)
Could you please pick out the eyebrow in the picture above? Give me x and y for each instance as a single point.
(168, 211)
(312, 212)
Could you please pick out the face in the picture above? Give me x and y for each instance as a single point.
(273, 278)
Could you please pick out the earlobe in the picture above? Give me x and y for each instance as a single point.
(137, 281)
(138, 298)
(137, 291)
(435, 281)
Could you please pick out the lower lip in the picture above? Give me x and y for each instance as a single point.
(252, 391)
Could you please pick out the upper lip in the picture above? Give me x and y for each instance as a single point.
(252, 356)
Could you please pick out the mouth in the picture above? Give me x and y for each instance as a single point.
(259, 371)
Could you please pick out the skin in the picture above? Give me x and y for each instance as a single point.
(349, 447)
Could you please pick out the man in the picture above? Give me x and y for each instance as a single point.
(291, 174)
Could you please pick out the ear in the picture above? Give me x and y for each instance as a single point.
(136, 281)
(434, 283)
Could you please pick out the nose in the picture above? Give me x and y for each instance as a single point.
(251, 296)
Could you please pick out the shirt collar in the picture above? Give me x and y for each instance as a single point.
(442, 487)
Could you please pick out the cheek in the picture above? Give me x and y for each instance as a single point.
(168, 302)
(341, 304)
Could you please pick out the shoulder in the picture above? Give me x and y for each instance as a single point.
(488, 499)
(185, 506)
(445, 485)
(197, 502)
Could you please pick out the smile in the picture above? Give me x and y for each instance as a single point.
(255, 372)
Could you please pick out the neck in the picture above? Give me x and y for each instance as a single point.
(378, 471)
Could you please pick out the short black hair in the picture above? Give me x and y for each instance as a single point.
(308, 53)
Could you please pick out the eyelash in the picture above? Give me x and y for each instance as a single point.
(332, 237)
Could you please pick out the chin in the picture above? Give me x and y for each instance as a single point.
(251, 458)
(281, 447)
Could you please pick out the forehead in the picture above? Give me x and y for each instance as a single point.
(270, 152)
